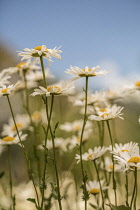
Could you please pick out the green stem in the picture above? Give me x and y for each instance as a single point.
(135, 202)
(43, 71)
(133, 195)
(113, 172)
(81, 141)
(94, 161)
(24, 151)
(126, 186)
(46, 137)
(10, 176)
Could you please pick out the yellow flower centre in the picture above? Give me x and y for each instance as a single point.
(105, 114)
(102, 110)
(125, 150)
(19, 125)
(111, 93)
(85, 69)
(38, 48)
(134, 160)
(89, 156)
(111, 167)
(78, 139)
(8, 138)
(5, 90)
(77, 127)
(137, 84)
(54, 89)
(19, 65)
(36, 116)
(94, 191)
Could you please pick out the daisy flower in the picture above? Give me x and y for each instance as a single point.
(25, 66)
(4, 77)
(7, 90)
(130, 160)
(59, 143)
(86, 72)
(108, 113)
(92, 154)
(93, 187)
(61, 89)
(75, 126)
(30, 85)
(8, 140)
(37, 75)
(107, 165)
(123, 147)
(22, 123)
(40, 51)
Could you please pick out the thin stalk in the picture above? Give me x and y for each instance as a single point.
(33, 125)
(94, 161)
(133, 195)
(135, 201)
(81, 140)
(10, 176)
(43, 71)
(46, 136)
(113, 172)
(126, 186)
(24, 151)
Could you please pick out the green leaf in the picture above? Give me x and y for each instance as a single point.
(122, 207)
(31, 200)
(2, 174)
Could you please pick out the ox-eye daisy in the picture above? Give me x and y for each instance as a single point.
(37, 75)
(62, 88)
(108, 113)
(4, 77)
(123, 147)
(7, 90)
(22, 123)
(107, 165)
(92, 154)
(86, 72)
(40, 51)
(93, 187)
(7, 140)
(130, 160)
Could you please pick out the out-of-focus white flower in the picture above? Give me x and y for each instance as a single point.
(108, 113)
(8, 90)
(25, 67)
(30, 85)
(61, 89)
(115, 94)
(93, 98)
(22, 123)
(40, 51)
(92, 154)
(130, 160)
(59, 143)
(108, 165)
(8, 140)
(37, 75)
(4, 77)
(75, 126)
(93, 187)
(86, 72)
(123, 147)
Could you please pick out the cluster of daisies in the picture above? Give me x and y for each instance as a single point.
(98, 108)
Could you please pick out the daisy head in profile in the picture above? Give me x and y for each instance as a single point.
(7, 90)
(94, 154)
(8, 140)
(130, 160)
(86, 72)
(62, 88)
(108, 113)
(40, 51)
(93, 187)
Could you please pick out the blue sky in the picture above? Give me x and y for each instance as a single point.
(91, 32)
